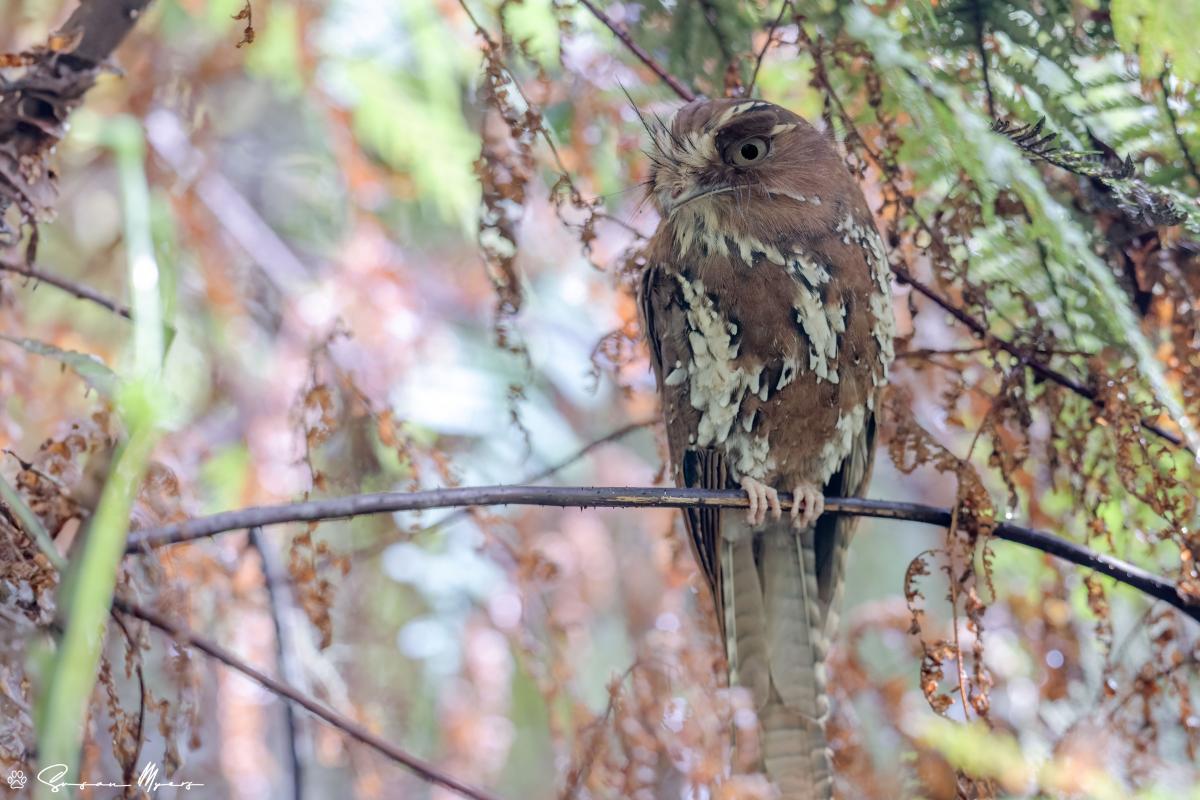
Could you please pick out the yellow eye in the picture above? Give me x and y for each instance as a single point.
(749, 151)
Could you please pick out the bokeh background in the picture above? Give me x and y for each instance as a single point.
(341, 321)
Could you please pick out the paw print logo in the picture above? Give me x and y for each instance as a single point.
(16, 779)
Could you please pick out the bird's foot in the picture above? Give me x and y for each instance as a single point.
(762, 497)
(808, 503)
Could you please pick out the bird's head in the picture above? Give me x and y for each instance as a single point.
(730, 154)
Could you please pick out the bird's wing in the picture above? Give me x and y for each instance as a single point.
(665, 328)
(833, 531)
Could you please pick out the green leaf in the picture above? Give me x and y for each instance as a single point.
(963, 134)
(94, 372)
(1159, 33)
(31, 523)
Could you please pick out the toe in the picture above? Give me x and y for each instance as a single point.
(752, 493)
(773, 497)
(814, 505)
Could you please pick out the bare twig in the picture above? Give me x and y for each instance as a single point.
(711, 17)
(1023, 356)
(133, 647)
(618, 434)
(1174, 120)
(578, 455)
(543, 130)
(374, 548)
(980, 24)
(658, 69)
(232, 211)
(277, 601)
(930, 352)
(70, 287)
(636, 497)
(347, 726)
(767, 45)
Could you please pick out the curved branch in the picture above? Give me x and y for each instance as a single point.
(637, 497)
(70, 287)
(1039, 368)
(347, 726)
(676, 85)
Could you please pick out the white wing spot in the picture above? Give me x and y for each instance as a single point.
(717, 386)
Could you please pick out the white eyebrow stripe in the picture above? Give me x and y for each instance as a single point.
(725, 117)
(735, 110)
(786, 126)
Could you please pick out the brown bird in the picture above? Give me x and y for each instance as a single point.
(766, 302)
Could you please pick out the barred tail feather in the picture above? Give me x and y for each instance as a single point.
(776, 643)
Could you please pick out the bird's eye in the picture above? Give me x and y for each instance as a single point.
(749, 151)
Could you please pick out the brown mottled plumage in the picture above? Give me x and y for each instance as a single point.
(767, 306)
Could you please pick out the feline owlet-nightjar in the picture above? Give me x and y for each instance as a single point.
(766, 302)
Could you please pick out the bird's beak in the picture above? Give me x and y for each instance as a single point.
(672, 204)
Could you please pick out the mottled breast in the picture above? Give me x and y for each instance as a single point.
(773, 342)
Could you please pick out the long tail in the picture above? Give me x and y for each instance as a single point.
(776, 637)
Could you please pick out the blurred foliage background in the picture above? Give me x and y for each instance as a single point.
(322, 178)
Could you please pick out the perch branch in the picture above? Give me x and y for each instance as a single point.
(637, 497)
(658, 69)
(77, 289)
(347, 726)
(375, 548)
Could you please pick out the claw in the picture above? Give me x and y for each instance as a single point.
(762, 498)
(808, 503)
(776, 509)
(748, 484)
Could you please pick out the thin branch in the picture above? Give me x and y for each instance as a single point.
(618, 434)
(376, 547)
(711, 17)
(577, 456)
(636, 497)
(980, 23)
(133, 647)
(767, 45)
(235, 214)
(543, 131)
(930, 352)
(277, 601)
(70, 287)
(666, 77)
(347, 726)
(1038, 367)
(1174, 120)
